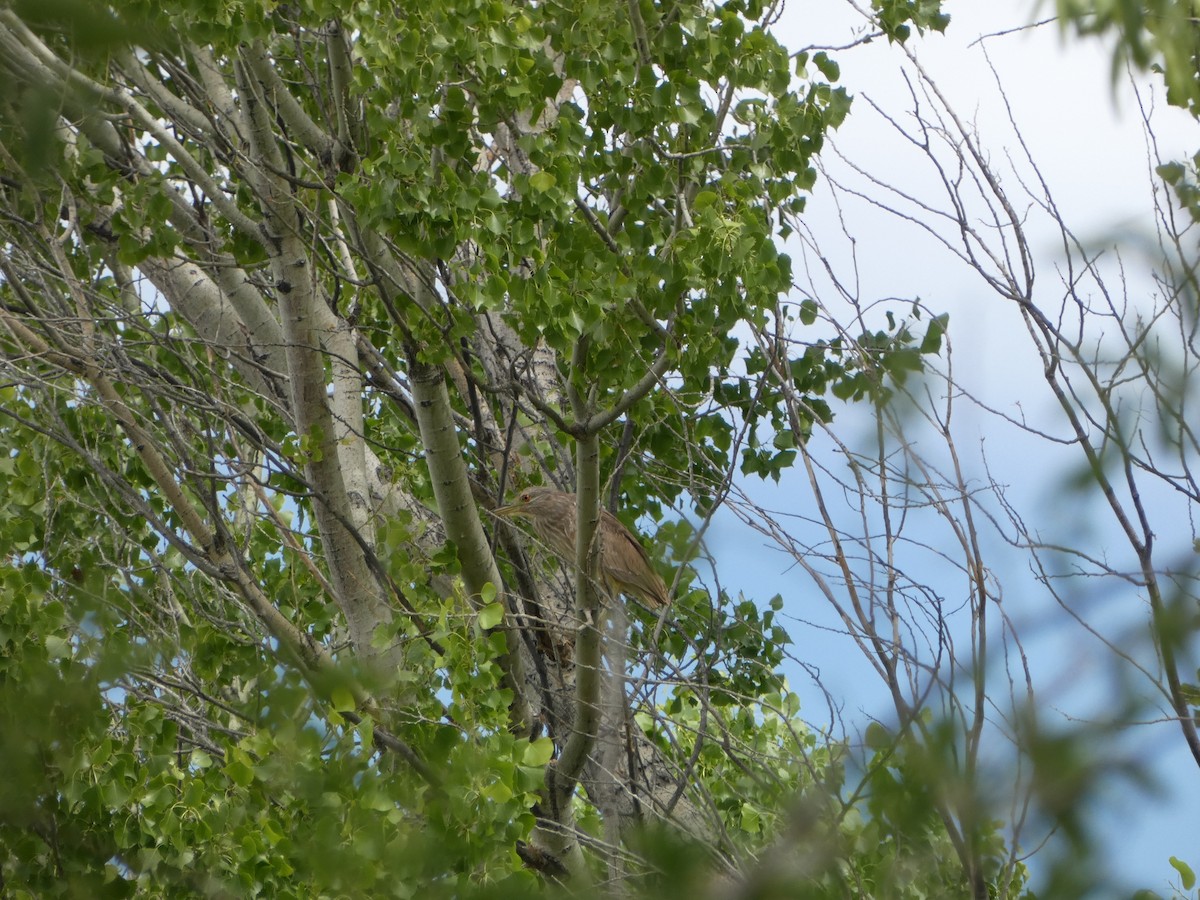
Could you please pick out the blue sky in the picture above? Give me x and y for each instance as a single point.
(1084, 132)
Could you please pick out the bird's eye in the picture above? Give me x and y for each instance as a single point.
(525, 498)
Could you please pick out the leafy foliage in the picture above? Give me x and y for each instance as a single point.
(1150, 33)
(289, 292)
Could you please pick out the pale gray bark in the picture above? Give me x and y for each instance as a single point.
(306, 327)
(453, 493)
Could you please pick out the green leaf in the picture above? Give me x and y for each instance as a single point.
(1171, 172)
(539, 752)
(808, 312)
(932, 342)
(239, 770)
(827, 66)
(498, 792)
(542, 181)
(751, 819)
(342, 699)
(490, 616)
(878, 737)
(1186, 876)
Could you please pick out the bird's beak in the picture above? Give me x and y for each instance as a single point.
(507, 512)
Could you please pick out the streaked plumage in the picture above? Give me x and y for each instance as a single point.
(624, 566)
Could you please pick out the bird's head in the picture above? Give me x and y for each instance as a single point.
(536, 502)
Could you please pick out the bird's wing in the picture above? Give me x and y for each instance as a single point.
(647, 579)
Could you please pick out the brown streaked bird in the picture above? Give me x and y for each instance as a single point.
(624, 566)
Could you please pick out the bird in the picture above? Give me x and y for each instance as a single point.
(624, 566)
